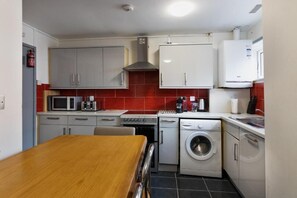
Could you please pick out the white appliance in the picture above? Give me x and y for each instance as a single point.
(200, 147)
(252, 165)
(236, 68)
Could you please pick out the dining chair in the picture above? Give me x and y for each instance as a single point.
(112, 130)
(138, 191)
(145, 179)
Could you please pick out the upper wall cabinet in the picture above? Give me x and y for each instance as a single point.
(186, 66)
(100, 68)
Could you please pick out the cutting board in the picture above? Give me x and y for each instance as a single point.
(48, 93)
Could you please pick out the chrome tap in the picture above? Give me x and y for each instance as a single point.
(260, 111)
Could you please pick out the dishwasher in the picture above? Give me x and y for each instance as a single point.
(252, 165)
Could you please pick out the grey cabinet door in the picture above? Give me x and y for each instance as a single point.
(114, 75)
(89, 68)
(48, 132)
(81, 130)
(231, 157)
(168, 146)
(63, 68)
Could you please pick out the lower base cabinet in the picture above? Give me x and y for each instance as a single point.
(48, 132)
(51, 126)
(168, 141)
(244, 160)
(231, 157)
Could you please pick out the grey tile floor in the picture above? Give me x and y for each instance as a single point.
(175, 185)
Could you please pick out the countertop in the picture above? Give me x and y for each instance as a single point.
(204, 115)
(224, 116)
(85, 113)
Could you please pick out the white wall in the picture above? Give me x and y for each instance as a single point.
(11, 77)
(42, 42)
(280, 46)
(256, 31)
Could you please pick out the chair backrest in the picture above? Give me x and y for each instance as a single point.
(138, 191)
(147, 163)
(106, 130)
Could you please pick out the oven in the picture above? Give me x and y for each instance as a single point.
(147, 125)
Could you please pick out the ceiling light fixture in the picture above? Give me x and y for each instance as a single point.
(181, 8)
(128, 7)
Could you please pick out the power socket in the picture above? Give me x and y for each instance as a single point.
(2, 102)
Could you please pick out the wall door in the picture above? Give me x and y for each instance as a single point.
(29, 100)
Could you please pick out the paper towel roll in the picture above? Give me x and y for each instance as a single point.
(234, 105)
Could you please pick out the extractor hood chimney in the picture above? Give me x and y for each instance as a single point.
(142, 63)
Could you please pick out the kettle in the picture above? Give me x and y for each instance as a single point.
(201, 105)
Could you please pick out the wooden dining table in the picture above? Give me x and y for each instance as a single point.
(74, 166)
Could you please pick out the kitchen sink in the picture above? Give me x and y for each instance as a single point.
(253, 121)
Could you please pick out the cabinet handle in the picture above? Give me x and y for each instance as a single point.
(170, 121)
(161, 79)
(78, 79)
(53, 118)
(161, 142)
(64, 131)
(81, 118)
(122, 78)
(235, 152)
(69, 131)
(185, 76)
(105, 119)
(73, 79)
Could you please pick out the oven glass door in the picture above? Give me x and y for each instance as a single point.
(150, 132)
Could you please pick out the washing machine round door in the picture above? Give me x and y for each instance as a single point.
(200, 146)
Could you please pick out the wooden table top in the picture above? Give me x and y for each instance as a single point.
(74, 166)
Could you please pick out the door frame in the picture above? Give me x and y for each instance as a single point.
(34, 96)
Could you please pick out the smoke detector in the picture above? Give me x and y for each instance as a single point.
(128, 7)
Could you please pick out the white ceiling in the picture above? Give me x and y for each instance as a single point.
(101, 18)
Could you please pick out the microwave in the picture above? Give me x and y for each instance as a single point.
(64, 103)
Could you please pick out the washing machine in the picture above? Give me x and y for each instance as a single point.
(200, 147)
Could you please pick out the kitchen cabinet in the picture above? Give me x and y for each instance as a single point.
(89, 72)
(231, 155)
(244, 160)
(63, 68)
(81, 125)
(108, 121)
(168, 141)
(186, 66)
(114, 62)
(51, 127)
(99, 67)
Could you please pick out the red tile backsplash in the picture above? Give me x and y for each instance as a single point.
(143, 94)
(258, 91)
(39, 96)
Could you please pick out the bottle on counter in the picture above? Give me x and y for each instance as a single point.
(179, 105)
(185, 106)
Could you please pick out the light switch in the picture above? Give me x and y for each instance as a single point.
(2, 102)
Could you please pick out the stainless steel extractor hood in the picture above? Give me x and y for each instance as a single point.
(142, 63)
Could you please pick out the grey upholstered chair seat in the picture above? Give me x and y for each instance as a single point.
(111, 130)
